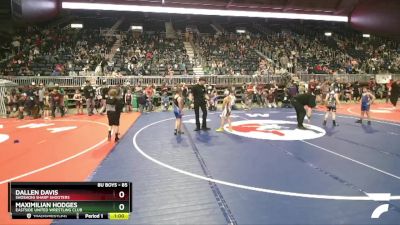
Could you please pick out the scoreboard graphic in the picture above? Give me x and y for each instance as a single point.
(70, 200)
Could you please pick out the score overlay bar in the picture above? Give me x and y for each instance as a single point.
(70, 200)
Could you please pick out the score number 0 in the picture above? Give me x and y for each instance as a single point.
(121, 206)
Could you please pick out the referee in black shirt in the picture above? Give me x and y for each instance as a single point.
(299, 102)
(199, 97)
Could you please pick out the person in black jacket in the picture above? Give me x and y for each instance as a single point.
(394, 93)
(114, 106)
(89, 92)
(104, 94)
(299, 102)
(56, 101)
(199, 93)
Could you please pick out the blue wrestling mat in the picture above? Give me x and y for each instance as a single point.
(264, 171)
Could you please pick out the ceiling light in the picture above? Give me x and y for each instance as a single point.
(211, 12)
(77, 25)
(137, 28)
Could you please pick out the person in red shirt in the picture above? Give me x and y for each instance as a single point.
(260, 89)
(271, 98)
(249, 94)
(149, 94)
(372, 85)
(149, 55)
(164, 97)
(312, 85)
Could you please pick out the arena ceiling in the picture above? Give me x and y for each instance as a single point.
(380, 17)
(327, 7)
(374, 16)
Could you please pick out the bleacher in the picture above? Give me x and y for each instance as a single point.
(47, 52)
(228, 53)
(165, 53)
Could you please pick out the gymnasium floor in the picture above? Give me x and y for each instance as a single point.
(264, 172)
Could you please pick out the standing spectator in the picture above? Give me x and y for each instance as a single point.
(312, 85)
(56, 101)
(21, 105)
(138, 92)
(286, 99)
(372, 86)
(258, 92)
(395, 93)
(142, 100)
(41, 92)
(336, 86)
(185, 94)
(7, 100)
(30, 99)
(388, 89)
(65, 100)
(104, 94)
(78, 102)
(114, 106)
(293, 90)
(128, 101)
(233, 98)
(212, 103)
(199, 97)
(271, 98)
(165, 97)
(149, 94)
(356, 91)
(89, 92)
(347, 92)
(12, 102)
(46, 105)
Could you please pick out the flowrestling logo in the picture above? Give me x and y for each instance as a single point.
(274, 130)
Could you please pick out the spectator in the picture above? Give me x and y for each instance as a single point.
(78, 102)
(46, 105)
(89, 94)
(56, 102)
(149, 95)
(128, 101)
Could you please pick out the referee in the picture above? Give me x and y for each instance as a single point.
(299, 102)
(199, 97)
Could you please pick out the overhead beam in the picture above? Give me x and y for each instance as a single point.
(339, 3)
(286, 6)
(229, 4)
(345, 7)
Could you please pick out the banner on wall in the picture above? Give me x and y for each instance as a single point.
(383, 78)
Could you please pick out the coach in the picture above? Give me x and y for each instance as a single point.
(199, 93)
(89, 93)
